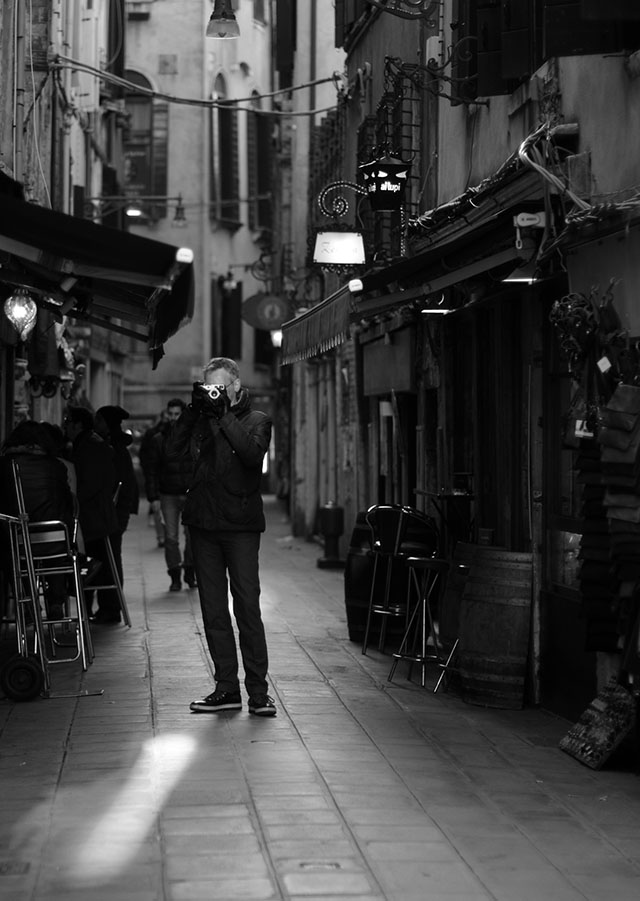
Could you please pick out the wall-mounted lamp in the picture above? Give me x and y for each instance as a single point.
(410, 9)
(525, 272)
(135, 206)
(21, 311)
(222, 23)
(339, 248)
(336, 245)
(385, 181)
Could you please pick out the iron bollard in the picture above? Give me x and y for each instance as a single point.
(331, 528)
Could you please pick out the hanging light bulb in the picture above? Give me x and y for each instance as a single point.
(21, 311)
(222, 23)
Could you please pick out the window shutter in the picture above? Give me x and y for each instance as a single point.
(340, 22)
(252, 167)
(567, 32)
(232, 322)
(228, 146)
(518, 39)
(626, 10)
(264, 172)
(490, 80)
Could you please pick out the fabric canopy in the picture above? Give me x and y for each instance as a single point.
(93, 273)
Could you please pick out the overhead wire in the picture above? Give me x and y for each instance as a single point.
(65, 62)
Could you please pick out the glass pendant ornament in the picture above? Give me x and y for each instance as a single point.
(21, 311)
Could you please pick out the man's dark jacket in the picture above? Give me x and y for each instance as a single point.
(228, 453)
(166, 474)
(97, 480)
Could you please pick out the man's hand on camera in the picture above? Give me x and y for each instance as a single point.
(216, 406)
(197, 396)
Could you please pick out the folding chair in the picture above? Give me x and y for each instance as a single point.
(40, 550)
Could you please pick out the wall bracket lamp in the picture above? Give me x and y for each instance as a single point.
(21, 311)
(337, 245)
(134, 206)
(222, 23)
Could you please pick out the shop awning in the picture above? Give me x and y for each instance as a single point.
(93, 273)
(472, 234)
(319, 329)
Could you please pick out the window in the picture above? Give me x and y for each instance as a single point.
(145, 148)
(259, 167)
(224, 181)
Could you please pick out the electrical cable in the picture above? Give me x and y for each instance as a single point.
(65, 62)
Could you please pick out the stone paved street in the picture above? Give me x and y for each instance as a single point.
(359, 789)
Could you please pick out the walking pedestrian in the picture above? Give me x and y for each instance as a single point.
(96, 480)
(108, 424)
(167, 481)
(155, 513)
(225, 517)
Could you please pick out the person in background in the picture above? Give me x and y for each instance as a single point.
(143, 455)
(93, 459)
(46, 491)
(167, 482)
(225, 517)
(108, 424)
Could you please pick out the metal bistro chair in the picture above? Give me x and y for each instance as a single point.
(40, 550)
(398, 532)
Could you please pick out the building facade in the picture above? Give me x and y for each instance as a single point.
(426, 377)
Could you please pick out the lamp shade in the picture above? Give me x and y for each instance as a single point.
(385, 180)
(222, 23)
(21, 311)
(339, 248)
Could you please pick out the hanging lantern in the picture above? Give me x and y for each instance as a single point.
(21, 311)
(385, 180)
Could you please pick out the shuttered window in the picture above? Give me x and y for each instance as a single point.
(224, 194)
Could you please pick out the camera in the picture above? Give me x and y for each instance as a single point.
(214, 391)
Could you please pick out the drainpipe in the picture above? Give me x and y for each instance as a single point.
(18, 94)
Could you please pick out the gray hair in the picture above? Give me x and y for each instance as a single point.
(225, 363)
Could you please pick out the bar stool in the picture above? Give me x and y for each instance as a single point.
(426, 575)
(397, 532)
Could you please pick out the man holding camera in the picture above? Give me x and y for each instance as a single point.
(224, 514)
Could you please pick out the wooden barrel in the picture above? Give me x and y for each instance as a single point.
(494, 628)
(451, 598)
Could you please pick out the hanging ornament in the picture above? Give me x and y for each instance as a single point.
(21, 311)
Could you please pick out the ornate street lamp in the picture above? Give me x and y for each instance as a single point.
(21, 311)
(338, 245)
(385, 180)
(222, 23)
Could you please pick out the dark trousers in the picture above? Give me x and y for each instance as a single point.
(107, 599)
(217, 555)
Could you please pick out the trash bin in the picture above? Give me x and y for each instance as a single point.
(358, 571)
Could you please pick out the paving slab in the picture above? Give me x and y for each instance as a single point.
(359, 789)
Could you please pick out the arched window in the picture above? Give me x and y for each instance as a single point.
(145, 146)
(224, 179)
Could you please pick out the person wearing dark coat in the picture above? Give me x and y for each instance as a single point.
(108, 424)
(167, 480)
(93, 459)
(144, 455)
(46, 492)
(225, 517)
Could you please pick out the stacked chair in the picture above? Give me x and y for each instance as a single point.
(40, 550)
